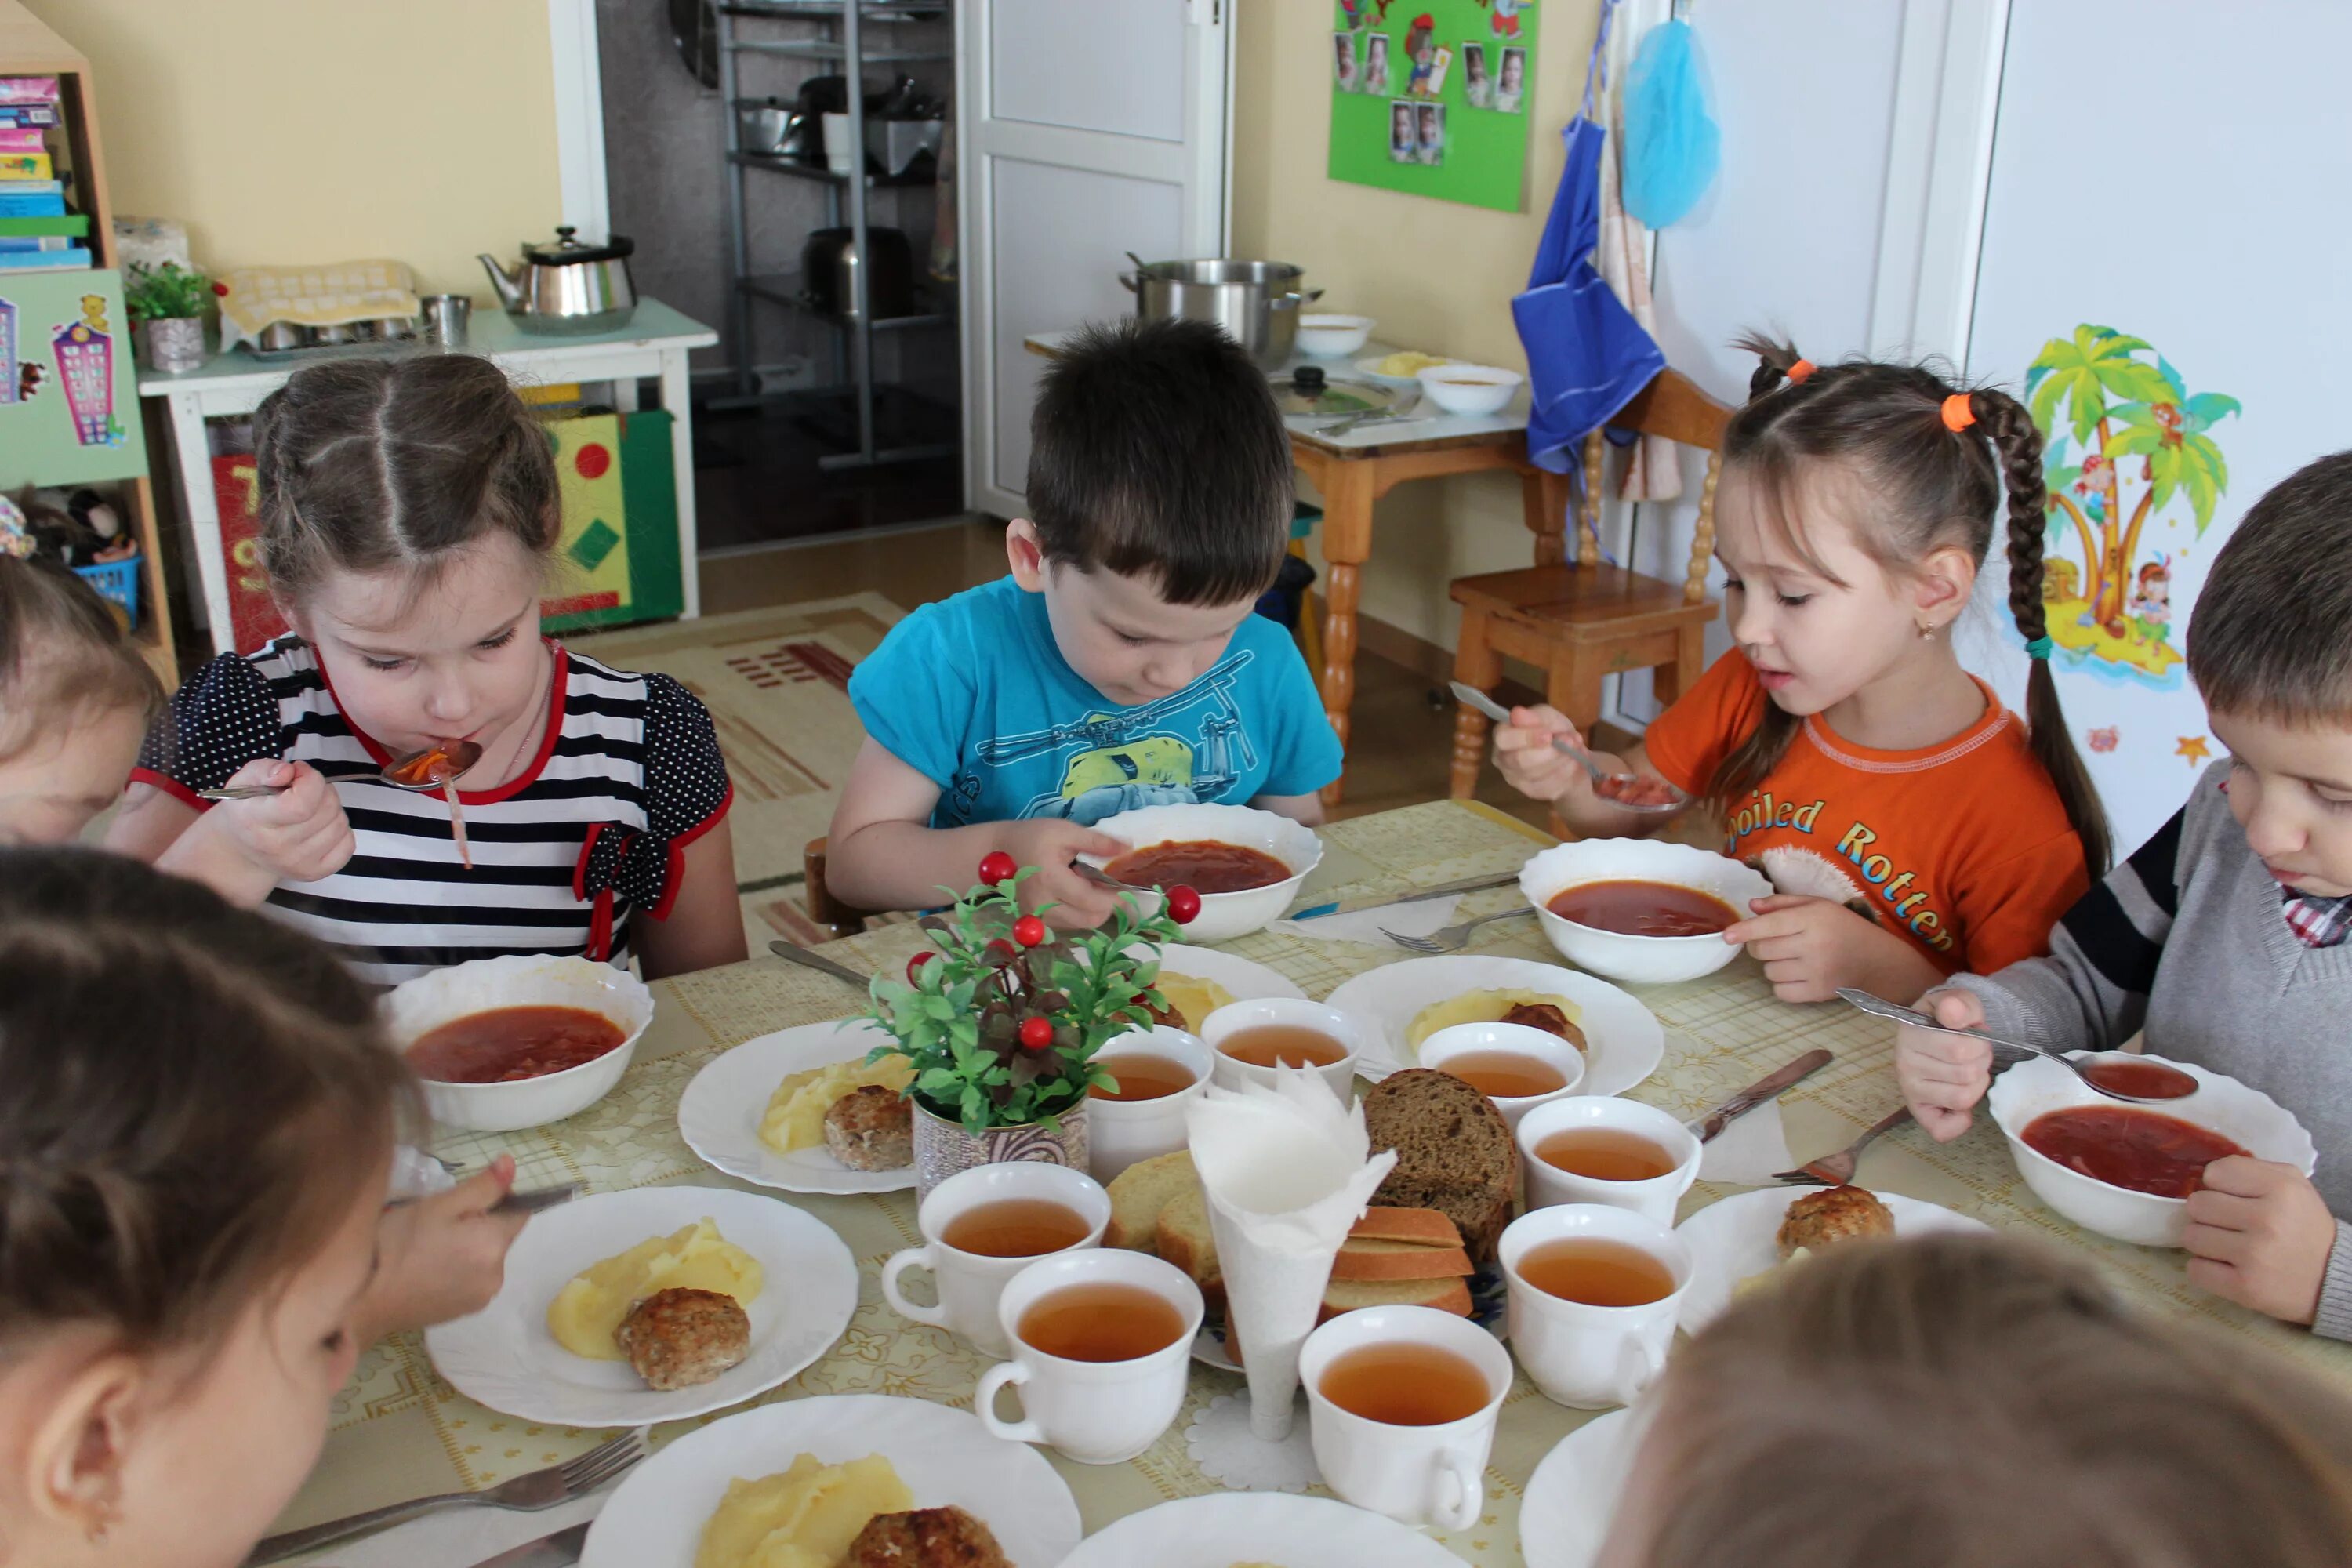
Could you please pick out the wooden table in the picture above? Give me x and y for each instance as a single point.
(400, 1432)
(1355, 470)
(654, 345)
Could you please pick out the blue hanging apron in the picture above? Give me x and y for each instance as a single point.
(1587, 356)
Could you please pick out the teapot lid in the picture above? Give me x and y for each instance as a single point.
(567, 249)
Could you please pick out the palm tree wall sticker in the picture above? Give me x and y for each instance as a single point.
(2127, 441)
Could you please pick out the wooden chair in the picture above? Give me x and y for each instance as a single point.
(1579, 623)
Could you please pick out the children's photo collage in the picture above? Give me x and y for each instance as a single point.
(1413, 75)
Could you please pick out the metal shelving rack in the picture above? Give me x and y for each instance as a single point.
(845, 194)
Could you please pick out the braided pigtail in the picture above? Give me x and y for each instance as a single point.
(2011, 428)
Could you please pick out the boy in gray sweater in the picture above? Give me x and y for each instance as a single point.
(2223, 936)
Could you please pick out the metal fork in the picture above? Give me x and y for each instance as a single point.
(539, 1489)
(1453, 938)
(1836, 1169)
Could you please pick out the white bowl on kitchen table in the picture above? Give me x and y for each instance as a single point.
(1328, 336)
(417, 1007)
(1640, 960)
(2251, 1118)
(1473, 389)
(1222, 916)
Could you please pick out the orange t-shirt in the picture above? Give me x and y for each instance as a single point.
(1962, 847)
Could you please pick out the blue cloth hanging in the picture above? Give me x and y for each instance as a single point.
(1671, 145)
(1587, 356)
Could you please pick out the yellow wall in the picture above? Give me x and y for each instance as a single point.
(314, 130)
(1439, 276)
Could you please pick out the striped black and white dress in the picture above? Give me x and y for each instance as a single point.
(589, 837)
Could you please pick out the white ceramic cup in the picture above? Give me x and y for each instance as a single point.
(1518, 1040)
(1121, 1132)
(970, 1284)
(1094, 1411)
(1234, 1018)
(1583, 1356)
(1415, 1475)
(1653, 1199)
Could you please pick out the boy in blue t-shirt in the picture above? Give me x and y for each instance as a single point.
(1119, 665)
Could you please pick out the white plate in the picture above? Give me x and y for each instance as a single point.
(1623, 1040)
(1226, 1528)
(504, 1357)
(945, 1456)
(1565, 1514)
(720, 1110)
(1248, 982)
(1733, 1239)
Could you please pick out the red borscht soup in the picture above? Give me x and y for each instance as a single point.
(1202, 865)
(507, 1045)
(2140, 1150)
(1644, 909)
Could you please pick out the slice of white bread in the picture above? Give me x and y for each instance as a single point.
(1138, 1194)
(1185, 1239)
(1363, 1259)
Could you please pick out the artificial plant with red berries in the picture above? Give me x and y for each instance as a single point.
(1001, 1019)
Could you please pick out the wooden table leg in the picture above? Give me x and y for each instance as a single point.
(1349, 488)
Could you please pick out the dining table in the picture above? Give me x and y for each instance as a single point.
(398, 1430)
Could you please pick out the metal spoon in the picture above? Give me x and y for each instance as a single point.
(1492, 709)
(462, 756)
(1880, 1007)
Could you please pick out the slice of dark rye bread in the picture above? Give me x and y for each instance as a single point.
(1455, 1154)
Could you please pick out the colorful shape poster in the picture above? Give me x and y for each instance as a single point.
(69, 411)
(1433, 98)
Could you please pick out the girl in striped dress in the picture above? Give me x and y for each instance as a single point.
(408, 522)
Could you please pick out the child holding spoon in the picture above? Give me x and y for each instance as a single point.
(409, 517)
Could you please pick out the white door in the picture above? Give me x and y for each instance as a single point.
(1083, 131)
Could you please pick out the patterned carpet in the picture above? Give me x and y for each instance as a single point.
(776, 682)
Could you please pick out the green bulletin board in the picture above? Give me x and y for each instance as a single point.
(1466, 141)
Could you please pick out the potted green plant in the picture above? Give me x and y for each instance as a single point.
(1002, 1021)
(167, 305)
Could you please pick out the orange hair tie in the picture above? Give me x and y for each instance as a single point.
(1798, 371)
(1958, 414)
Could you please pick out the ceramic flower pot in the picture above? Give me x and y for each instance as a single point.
(943, 1147)
(172, 343)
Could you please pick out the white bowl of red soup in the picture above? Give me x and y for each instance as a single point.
(2126, 1171)
(506, 1043)
(1246, 864)
(1640, 910)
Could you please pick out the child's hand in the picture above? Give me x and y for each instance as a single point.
(443, 1256)
(1050, 844)
(2260, 1234)
(1809, 947)
(298, 836)
(1524, 752)
(1943, 1075)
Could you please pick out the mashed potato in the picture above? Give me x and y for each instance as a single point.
(1481, 1007)
(1407, 364)
(585, 1312)
(795, 1115)
(804, 1518)
(1194, 1000)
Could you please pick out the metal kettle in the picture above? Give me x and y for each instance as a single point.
(567, 287)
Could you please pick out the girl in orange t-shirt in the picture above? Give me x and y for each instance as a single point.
(1911, 826)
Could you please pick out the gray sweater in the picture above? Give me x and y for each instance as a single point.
(2186, 941)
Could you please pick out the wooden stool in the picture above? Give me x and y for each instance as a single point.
(1579, 623)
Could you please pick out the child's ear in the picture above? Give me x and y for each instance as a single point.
(1026, 554)
(1942, 584)
(80, 1449)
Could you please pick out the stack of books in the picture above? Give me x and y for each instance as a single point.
(37, 233)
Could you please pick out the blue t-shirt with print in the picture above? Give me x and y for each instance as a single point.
(972, 693)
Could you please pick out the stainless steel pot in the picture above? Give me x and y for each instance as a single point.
(1257, 302)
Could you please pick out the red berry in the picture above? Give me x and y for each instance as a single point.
(1030, 932)
(915, 964)
(999, 952)
(1036, 1033)
(1183, 905)
(996, 866)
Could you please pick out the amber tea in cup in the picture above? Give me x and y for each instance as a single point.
(1504, 1075)
(1403, 1383)
(1604, 1153)
(1282, 1045)
(1015, 1227)
(1142, 1077)
(1597, 1273)
(1103, 1322)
